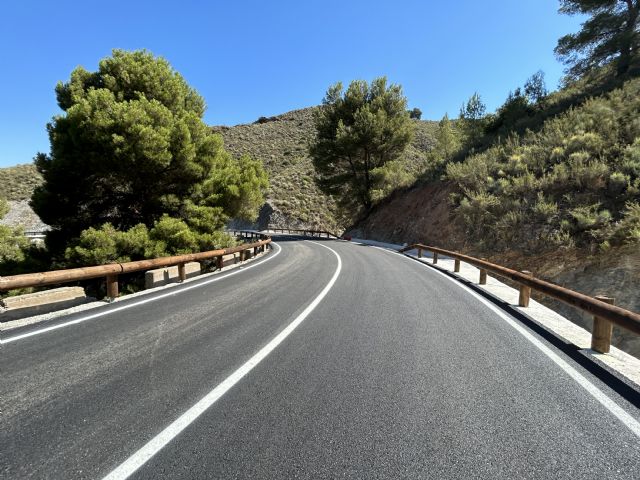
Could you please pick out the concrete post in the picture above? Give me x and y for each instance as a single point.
(456, 265)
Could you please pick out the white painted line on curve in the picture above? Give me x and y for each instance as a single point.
(175, 291)
(630, 422)
(142, 456)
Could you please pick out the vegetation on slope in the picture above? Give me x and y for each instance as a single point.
(576, 182)
(18, 182)
(282, 143)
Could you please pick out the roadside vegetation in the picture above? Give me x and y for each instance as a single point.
(552, 170)
(359, 132)
(133, 172)
(575, 182)
(13, 243)
(561, 170)
(547, 170)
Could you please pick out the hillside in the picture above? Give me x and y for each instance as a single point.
(17, 183)
(281, 142)
(563, 202)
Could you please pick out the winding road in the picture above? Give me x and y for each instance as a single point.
(322, 359)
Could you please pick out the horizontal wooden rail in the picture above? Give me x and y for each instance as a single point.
(602, 308)
(111, 271)
(306, 232)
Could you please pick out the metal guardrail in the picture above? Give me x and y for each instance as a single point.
(111, 271)
(306, 232)
(605, 313)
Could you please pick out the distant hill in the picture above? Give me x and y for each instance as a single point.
(281, 142)
(17, 183)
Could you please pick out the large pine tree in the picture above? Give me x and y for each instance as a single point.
(359, 130)
(610, 34)
(131, 147)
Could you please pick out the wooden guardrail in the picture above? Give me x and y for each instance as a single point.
(303, 232)
(605, 313)
(111, 271)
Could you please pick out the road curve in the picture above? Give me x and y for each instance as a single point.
(383, 368)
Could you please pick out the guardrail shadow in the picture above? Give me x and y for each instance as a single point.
(622, 386)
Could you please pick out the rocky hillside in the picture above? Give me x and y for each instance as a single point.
(17, 183)
(281, 142)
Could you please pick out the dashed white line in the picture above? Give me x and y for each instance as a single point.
(142, 456)
(138, 303)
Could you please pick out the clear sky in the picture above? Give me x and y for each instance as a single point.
(264, 57)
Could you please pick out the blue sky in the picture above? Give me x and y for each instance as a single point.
(253, 58)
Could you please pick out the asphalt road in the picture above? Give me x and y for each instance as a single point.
(392, 371)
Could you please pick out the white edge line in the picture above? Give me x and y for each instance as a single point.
(140, 302)
(139, 458)
(630, 422)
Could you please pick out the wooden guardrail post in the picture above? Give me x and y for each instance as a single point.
(219, 262)
(525, 292)
(182, 272)
(435, 257)
(456, 265)
(483, 275)
(419, 253)
(112, 287)
(602, 330)
(242, 255)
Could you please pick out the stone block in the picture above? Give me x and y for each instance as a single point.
(37, 303)
(163, 276)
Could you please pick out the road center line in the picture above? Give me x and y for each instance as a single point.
(630, 422)
(142, 456)
(174, 291)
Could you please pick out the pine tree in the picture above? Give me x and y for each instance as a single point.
(610, 34)
(130, 147)
(358, 131)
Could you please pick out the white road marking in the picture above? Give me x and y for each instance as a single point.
(140, 302)
(142, 456)
(630, 422)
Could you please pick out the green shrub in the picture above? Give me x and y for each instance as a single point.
(573, 182)
(628, 229)
(169, 236)
(13, 244)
